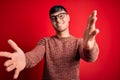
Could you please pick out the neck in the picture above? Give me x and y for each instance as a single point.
(63, 34)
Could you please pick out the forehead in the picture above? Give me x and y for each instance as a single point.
(56, 13)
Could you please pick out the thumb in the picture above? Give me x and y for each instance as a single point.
(14, 45)
(16, 74)
(93, 34)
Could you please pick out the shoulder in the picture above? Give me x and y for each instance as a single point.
(77, 39)
(45, 39)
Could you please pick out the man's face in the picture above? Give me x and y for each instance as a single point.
(60, 20)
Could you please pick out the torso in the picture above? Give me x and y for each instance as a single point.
(61, 58)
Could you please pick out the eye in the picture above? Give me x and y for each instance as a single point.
(61, 16)
(53, 18)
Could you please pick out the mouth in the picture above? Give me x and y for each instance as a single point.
(59, 24)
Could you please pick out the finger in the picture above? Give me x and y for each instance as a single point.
(6, 54)
(94, 13)
(14, 45)
(94, 33)
(92, 20)
(8, 63)
(16, 74)
(10, 68)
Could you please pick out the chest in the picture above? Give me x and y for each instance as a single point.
(65, 51)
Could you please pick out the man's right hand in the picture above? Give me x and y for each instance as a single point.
(17, 59)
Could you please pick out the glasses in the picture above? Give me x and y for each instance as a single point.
(60, 16)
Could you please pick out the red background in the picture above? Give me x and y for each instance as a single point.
(27, 21)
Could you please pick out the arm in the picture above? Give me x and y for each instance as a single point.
(34, 56)
(90, 48)
(90, 55)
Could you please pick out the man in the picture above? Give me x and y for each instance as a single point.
(62, 52)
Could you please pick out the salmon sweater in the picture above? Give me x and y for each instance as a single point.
(61, 57)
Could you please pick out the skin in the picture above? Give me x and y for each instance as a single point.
(17, 59)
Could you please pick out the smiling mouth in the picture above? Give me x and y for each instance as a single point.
(59, 24)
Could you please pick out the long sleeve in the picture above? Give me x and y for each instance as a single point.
(89, 55)
(35, 55)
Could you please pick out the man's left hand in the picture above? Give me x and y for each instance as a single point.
(90, 31)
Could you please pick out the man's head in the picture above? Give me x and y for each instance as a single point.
(59, 18)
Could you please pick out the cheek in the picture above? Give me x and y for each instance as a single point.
(66, 22)
(67, 18)
(53, 23)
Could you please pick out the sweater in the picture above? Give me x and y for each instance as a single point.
(61, 57)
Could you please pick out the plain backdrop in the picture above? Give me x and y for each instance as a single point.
(27, 21)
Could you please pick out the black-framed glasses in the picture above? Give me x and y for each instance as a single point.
(60, 16)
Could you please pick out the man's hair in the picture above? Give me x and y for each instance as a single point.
(56, 8)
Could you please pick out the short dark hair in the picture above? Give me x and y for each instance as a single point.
(56, 8)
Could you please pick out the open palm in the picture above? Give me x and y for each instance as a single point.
(17, 59)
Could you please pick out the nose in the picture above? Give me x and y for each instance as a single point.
(58, 19)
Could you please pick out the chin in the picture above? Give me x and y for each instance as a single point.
(61, 30)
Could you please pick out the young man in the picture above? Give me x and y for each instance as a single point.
(62, 52)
